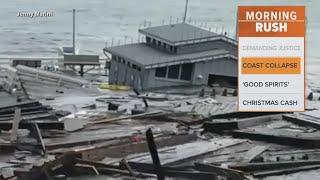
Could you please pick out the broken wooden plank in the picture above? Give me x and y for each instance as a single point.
(127, 166)
(88, 168)
(185, 119)
(154, 154)
(280, 136)
(11, 107)
(254, 152)
(98, 151)
(182, 172)
(43, 124)
(302, 120)
(233, 115)
(220, 125)
(260, 166)
(39, 138)
(220, 171)
(110, 169)
(125, 117)
(15, 125)
(186, 152)
(10, 116)
(46, 168)
(284, 171)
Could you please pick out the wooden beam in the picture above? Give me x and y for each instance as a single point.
(284, 171)
(247, 167)
(127, 166)
(154, 154)
(229, 174)
(38, 133)
(125, 117)
(279, 136)
(220, 125)
(181, 172)
(254, 152)
(302, 120)
(15, 125)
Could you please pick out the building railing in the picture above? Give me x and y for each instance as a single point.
(214, 38)
(221, 34)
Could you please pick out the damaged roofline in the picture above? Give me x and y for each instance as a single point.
(174, 62)
(192, 41)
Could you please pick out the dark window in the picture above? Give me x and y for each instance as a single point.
(154, 41)
(159, 43)
(174, 72)
(148, 39)
(171, 48)
(134, 66)
(123, 61)
(186, 71)
(175, 49)
(161, 72)
(139, 68)
(164, 45)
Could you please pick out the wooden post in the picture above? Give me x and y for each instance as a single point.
(185, 12)
(81, 70)
(74, 31)
(154, 154)
(15, 125)
(127, 166)
(36, 133)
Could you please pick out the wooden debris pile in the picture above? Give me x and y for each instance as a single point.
(155, 141)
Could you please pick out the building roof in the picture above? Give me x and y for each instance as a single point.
(176, 33)
(150, 57)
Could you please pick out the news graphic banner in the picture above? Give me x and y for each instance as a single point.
(271, 58)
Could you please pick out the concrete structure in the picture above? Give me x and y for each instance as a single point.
(174, 55)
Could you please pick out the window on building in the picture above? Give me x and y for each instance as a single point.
(173, 72)
(134, 66)
(159, 43)
(161, 72)
(138, 68)
(171, 48)
(186, 71)
(164, 45)
(118, 59)
(154, 41)
(123, 61)
(148, 39)
(128, 63)
(175, 49)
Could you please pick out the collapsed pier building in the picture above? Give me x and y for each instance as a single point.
(175, 55)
